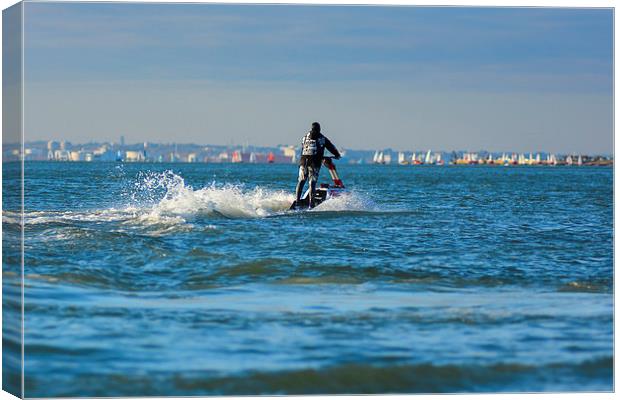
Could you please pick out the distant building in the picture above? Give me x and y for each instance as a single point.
(51, 147)
(75, 156)
(289, 151)
(104, 153)
(134, 156)
(61, 155)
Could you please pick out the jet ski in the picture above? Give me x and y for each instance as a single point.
(324, 191)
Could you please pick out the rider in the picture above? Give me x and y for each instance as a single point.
(313, 146)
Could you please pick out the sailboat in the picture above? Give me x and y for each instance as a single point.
(438, 159)
(413, 160)
(579, 160)
(552, 160)
(252, 158)
(294, 158)
(401, 159)
(427, 159)
(236, 157)
(271, 158)
(569, 160)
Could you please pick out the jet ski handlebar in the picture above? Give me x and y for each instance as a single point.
(327, 161)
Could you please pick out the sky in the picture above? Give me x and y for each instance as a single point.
(407, 78)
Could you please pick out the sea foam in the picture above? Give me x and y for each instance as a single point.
(227, 200)
(165, 199)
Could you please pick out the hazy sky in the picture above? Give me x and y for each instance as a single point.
(522, 79)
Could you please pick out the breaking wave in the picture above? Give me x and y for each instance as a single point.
(166, 195)
(163, 198)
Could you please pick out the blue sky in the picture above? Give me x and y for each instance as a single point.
(403, 77)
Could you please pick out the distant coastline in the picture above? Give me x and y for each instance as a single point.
(64, 151)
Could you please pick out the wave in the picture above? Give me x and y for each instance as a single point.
(165, 199)
(590, 375)
(591, 286)
(413, 378)
(211, 270)
(227, 200)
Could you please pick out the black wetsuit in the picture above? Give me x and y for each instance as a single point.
(313, 146)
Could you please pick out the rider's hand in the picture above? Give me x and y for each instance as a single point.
(338, 157)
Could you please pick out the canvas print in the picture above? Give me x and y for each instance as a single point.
(251, 199)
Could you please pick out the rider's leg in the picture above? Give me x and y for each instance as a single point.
(301, 182)
(313, 176)
(299, 189)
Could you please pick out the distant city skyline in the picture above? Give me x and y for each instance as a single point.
(65, 151)
(122, 144)
(502, 79)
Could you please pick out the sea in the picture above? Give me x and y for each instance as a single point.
(147, 279)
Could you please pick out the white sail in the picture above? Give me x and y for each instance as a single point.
(579, 160)
(413, 157)
(427, 159)
(569, 160)
(252, 157)
(401, 158)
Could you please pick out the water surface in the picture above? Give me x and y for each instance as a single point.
(195, 279)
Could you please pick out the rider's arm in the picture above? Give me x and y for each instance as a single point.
(332, 149)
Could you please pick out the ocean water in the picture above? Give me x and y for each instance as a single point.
(195, 279)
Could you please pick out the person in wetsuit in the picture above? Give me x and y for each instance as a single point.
(313, 146)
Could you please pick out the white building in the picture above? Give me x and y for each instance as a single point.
(134, 156)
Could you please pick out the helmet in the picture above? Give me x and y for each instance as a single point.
(316, 127)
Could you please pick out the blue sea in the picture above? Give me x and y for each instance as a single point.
(195, 279)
